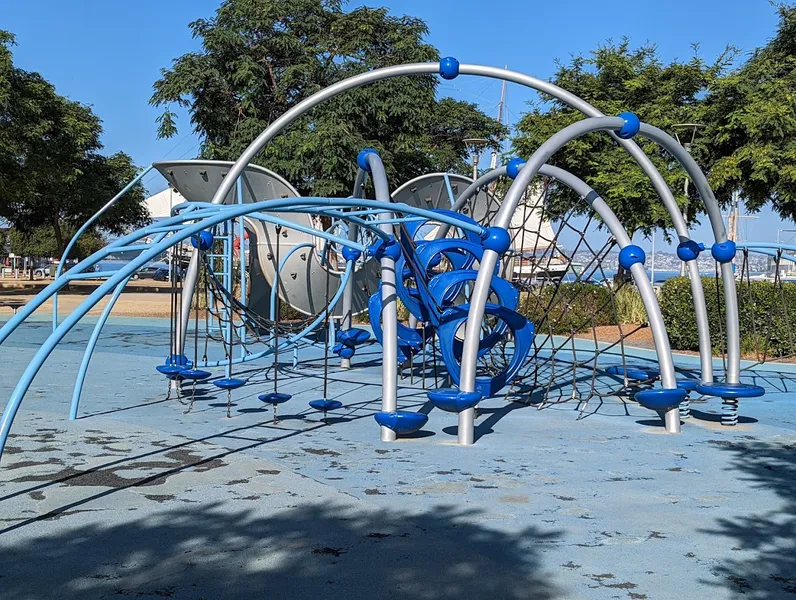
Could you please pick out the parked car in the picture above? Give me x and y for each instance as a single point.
(162, 274)
(145, 273)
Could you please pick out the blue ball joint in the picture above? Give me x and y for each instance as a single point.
(631, 255)
(351, 254)
(689, 250)
(362, 158)
(723, 252)
(631, 126)
(496, 239)
(389, 248)
(514, 166)
(202, 240)
(449, 68)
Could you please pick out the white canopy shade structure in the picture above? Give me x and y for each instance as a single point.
(159, 206)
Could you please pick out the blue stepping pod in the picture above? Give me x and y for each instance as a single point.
(636, 372)
(730, 390)
(229, 383)
(402, 422)
(195, 374)
(660, 399)
(274, 397)
(453, 400)
(169, 370)
(326, 405)
(689, 385)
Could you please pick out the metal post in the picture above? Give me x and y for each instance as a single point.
(389, 296)
(242, 263)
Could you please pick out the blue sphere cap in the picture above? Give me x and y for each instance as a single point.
(449, 68)
(630, 255)
(351, 254)
(631, 126)
(202, 240)
(514, 166)
(723, 252)
(689, 250)
(362, 158)
(389, 248)
(496, 239)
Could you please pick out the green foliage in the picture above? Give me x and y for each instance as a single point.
(51, 169)
(259, 58)
(767, 316)
(752, 125)
(571, 308)
(616, 78)
(629, 306)
(40, 243)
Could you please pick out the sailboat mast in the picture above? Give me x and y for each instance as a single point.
(493, 163)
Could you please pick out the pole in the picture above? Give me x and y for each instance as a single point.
(652, 275)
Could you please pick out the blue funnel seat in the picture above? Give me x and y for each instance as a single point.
(660, 400)
(195, 374)
(325, 405)
(275, 399)
(171, 371)
(402, 422)
(453, 400)
(229, 384)
(730, 393)
(635, 372)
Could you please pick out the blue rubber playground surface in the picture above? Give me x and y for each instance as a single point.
(138, 499)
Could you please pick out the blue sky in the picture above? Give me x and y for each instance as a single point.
(108, 53)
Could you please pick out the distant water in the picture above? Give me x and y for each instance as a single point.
(660, 276)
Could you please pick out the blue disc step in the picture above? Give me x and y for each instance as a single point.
(453, 400)
(195, 374)
(169, 370)
(325, 405)
(660, 399)
(730, 390)
(689, 385)
(636, 372)
(402, 422)
(229, 383)
(274, 397)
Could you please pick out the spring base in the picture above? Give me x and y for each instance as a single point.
(729, 412)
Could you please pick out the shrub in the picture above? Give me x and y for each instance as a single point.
(765, 313)
(571, 308)
(629, 306)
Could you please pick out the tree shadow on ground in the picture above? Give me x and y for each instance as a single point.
(765, 541)
(313, 551)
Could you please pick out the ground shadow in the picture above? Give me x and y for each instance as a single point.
(765, 541)
(315, 551)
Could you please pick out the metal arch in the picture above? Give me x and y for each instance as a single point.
(668, 143)
(506, 75)
(92, 343)
(490, 257)
(59, 269)
(182, 231)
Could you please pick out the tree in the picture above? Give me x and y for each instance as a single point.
(51, 169)
(40, 243)
(259, 58)
(752, 124)
(616, 78)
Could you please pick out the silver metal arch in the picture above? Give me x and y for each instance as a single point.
(465, 69)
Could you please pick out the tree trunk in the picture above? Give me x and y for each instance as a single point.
(59, 236)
